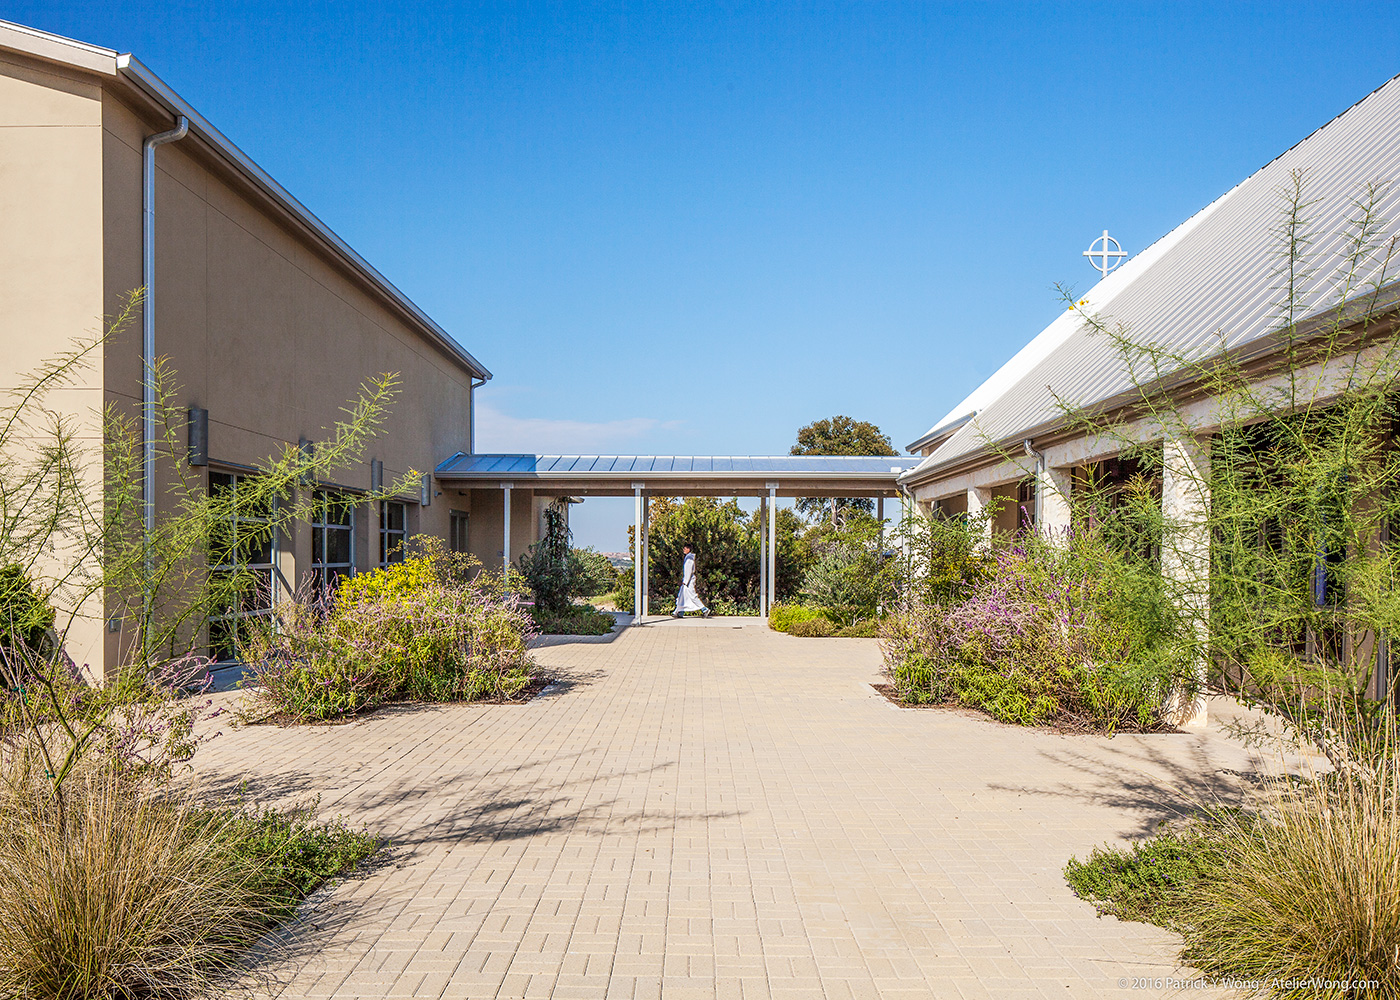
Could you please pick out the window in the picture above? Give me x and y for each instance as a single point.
(393, 531)
(242, 553)
(332, 539)
(457, 531)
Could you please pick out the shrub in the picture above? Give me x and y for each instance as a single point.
(548, 567)
(850, 581)
(25, 616)
(1155, 881)
(1312, 889)
(289, 854)
(416, 630)
(590, 573)
(868, 629)
(813, 628)
(783, 616)
(1070, 630)
(115, 890)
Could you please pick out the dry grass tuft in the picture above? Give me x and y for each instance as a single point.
(114, 893)
(1310, 890)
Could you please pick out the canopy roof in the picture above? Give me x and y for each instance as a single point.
(681, 475)
(1214, 281)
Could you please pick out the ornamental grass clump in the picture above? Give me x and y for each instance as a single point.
(425, 629)
(114, 891)
(1064, 631)
(1303, 886)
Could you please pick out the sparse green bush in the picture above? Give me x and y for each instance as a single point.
(849, 577)
(813, 628)
(548, 567)
(590, 573)
(783, 617)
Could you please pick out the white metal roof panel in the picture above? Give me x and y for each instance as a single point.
(1216, 277)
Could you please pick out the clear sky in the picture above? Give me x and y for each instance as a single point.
(690, 228)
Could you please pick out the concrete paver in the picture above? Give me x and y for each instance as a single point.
(716, 812)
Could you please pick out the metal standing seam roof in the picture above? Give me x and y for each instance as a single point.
(1214, 277)
(126, 67)
(463, 466)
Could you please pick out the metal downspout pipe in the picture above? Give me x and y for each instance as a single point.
(148, 325)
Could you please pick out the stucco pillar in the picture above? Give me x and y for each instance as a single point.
(1052, 488)
(1186, 548)
(977, 502)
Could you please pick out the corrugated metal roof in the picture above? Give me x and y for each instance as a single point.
(694, 466)
(1216, 277)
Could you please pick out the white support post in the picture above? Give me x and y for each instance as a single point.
(763, 557)
(637, 555)
(772, 543)
(646, 556)
(1186, 547)
(505, 529)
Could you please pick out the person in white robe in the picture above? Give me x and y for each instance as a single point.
(687, 599)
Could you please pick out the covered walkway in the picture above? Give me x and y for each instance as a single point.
(642, 477)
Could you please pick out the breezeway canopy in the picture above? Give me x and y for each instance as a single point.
(643, 476)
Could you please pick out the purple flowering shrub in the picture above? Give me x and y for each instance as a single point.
(1066, 631)
(142, 726)
(425, 629)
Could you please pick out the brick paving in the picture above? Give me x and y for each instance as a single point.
(701, 810)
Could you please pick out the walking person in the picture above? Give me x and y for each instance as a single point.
(687, 599)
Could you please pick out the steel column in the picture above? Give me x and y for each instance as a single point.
(880, 516)
(646, 556)
(772, 543)
(763, 557)
(637, 554)
(505, 530)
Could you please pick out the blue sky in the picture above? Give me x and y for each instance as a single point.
(692, 228)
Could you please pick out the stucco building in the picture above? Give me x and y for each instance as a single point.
(269, 320)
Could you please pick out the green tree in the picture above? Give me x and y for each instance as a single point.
(839, 435)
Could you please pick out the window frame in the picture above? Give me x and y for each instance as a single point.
(244, 612)
(393, 542)
(325, 573)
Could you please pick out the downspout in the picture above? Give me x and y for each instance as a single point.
(148, 325)
(474, 384)
(1039, 457)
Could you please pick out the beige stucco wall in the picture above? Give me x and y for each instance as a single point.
(51, 200)
(487, 532)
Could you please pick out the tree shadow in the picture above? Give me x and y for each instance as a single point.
(1149, 781)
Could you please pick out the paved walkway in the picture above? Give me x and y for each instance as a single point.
(700, 810)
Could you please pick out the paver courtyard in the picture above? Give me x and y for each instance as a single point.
(704, 810)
